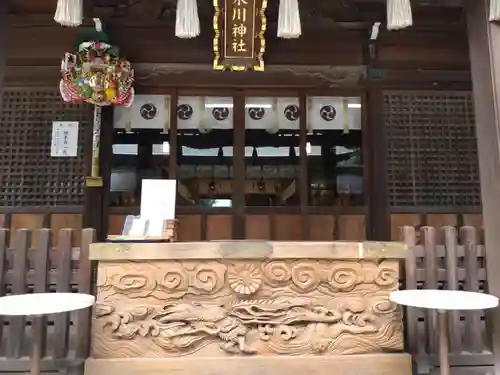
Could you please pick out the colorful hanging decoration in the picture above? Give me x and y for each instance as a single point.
(96, 73)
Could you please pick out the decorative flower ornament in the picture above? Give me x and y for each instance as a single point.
(244, 279)
(96, 74)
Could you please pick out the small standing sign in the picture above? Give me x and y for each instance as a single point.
(64, 139)
(158, 199)
(157, 219)
(158, 204)
(239, 27)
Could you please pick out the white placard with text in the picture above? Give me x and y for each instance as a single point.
(158, 200)
(64, 139)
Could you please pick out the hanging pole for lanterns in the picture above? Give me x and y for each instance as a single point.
(95, 179)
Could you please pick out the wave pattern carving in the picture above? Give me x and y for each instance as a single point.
(242, 307)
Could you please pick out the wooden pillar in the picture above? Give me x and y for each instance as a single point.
(374, 151)
(303, 179)
(239, 166)
(4, 29)
(172, 137)
(484, 49)
(378, 199)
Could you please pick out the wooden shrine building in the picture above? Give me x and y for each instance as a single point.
(350, 131)
(341, 137)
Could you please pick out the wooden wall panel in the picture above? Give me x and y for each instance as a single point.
(321, 227)
(475, 220)
(219, 227)
(115, 224)
(287, 228)
(351, 227)
(37, 48)
(62, 221)
(280, 227)
(400, 220)
(441, 220)
(34, 221)
(189, 228)
(258, 227)
(141, 44)
(407, 48)
(421, 49)
(28, 221)
(314, 50)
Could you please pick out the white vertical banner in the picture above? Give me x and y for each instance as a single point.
(64, 139)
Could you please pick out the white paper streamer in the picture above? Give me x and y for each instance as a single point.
(289, 19)
(399, 14)
(69, 12)
(494, 10)
(187, 22)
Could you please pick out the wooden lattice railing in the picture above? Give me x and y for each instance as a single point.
(446, 259)
(44, 268)
(438, 258)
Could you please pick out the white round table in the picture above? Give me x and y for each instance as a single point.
(442, 301)
(38, 304)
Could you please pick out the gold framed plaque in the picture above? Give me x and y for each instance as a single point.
(239, 27)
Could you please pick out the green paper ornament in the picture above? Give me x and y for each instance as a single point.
(86, 91)
(91, 35)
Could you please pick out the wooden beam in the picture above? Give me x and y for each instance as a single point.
(162, 76)
(159, 77)
(484, 48)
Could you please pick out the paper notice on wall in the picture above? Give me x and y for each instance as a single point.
(158, 200)
(64, 139)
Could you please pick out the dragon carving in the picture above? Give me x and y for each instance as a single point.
(243, 327)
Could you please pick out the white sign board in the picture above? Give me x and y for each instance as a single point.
(64, 139)
(158, 200)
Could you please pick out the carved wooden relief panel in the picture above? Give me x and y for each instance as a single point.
(246, 307)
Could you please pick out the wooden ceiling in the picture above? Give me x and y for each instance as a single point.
(317, 14)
